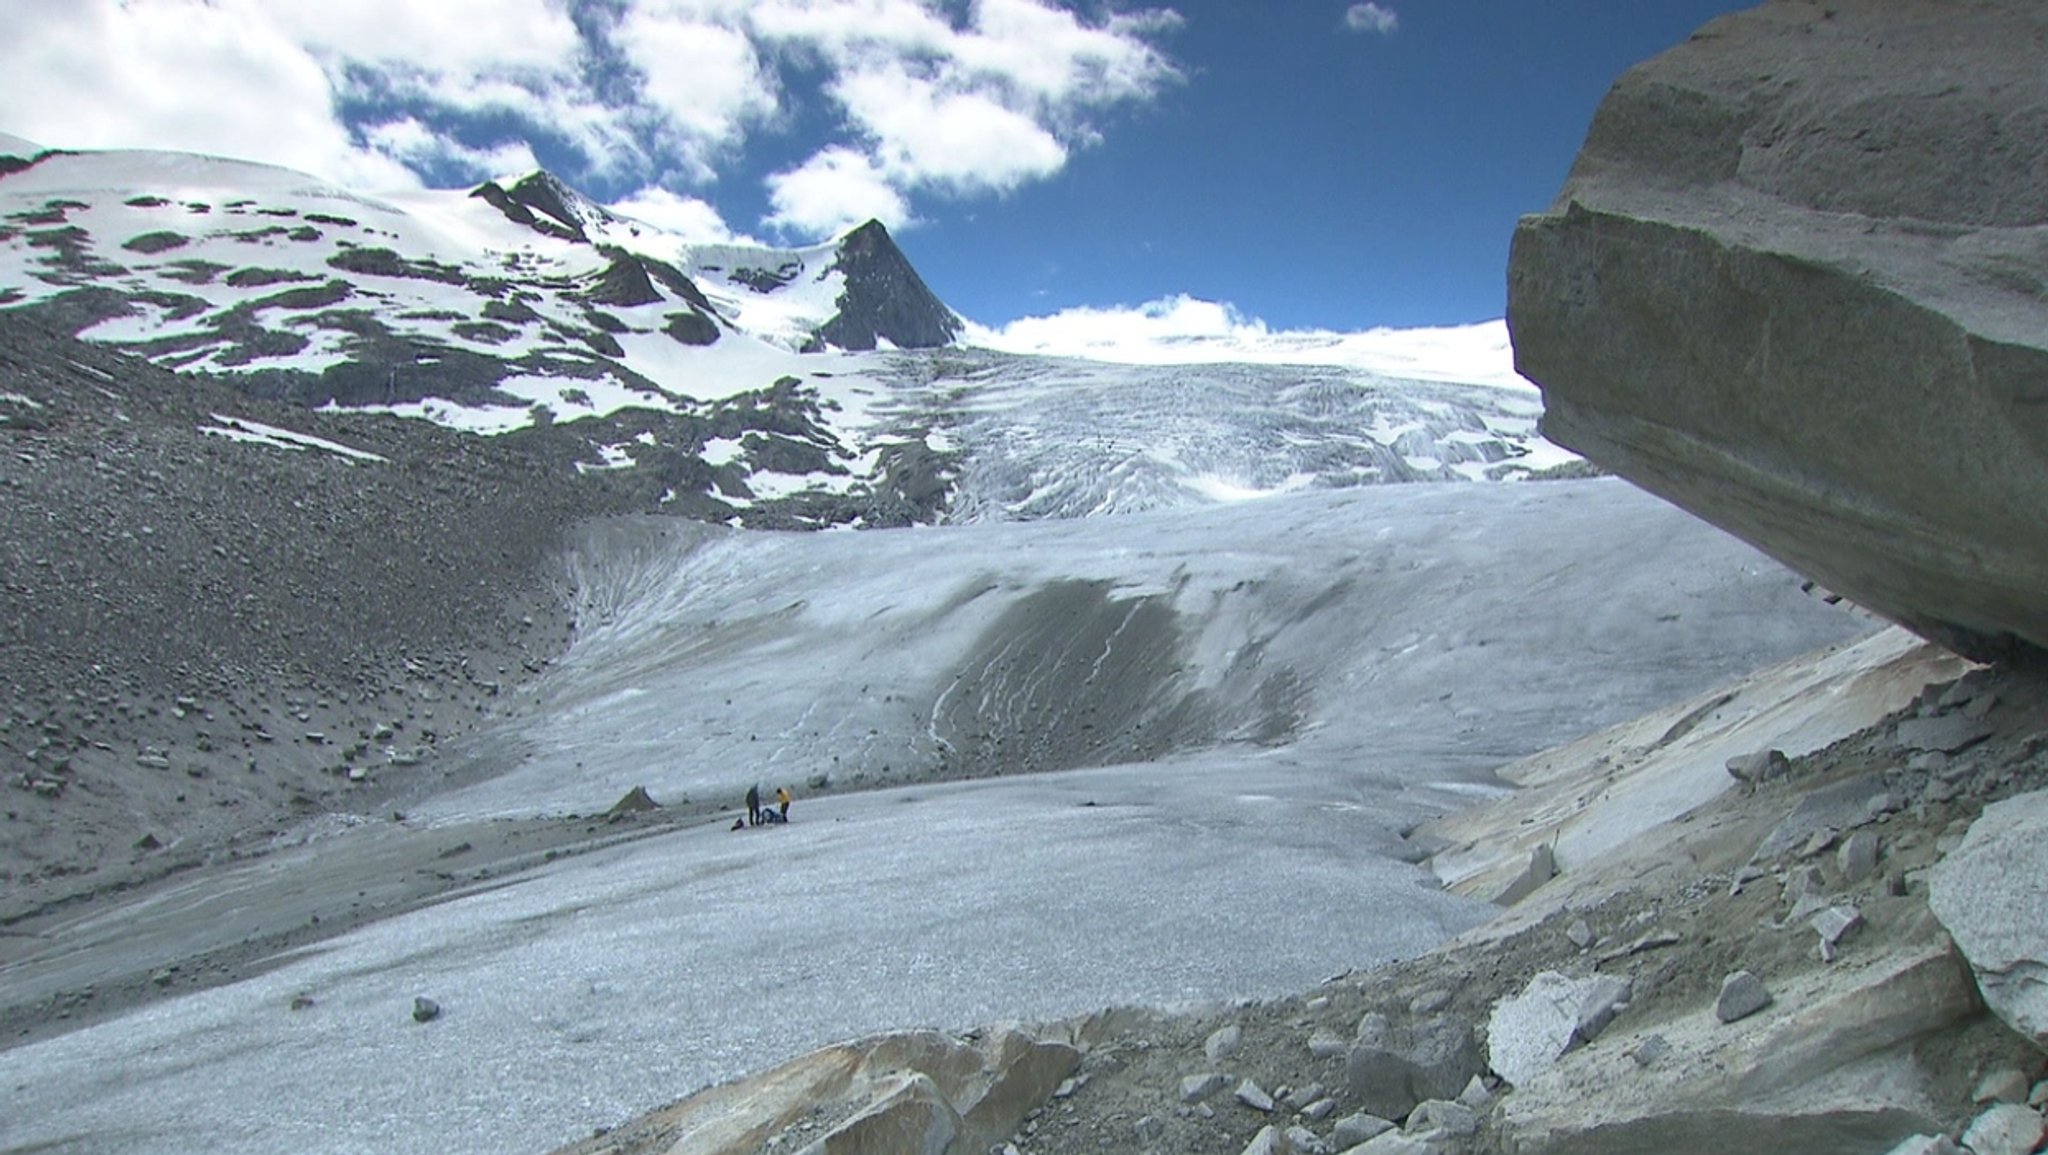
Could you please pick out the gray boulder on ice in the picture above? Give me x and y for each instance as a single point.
(1988, 896)
(1553, 1014)
(1794, 284)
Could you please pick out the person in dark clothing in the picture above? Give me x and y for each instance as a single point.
(753, 806)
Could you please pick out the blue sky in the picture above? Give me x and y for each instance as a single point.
(1312, 175)
(1218, 165)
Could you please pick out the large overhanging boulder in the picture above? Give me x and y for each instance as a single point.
(1797, 283)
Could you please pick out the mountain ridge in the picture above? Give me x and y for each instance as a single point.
(567, 291)
(522, 301)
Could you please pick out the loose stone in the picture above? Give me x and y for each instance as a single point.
(2005, 1129)
(2006, 1085)
(1742, 995)
(1254, 1096)
(1223, 1042)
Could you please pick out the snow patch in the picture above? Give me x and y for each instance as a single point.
(721, 451)
(1229, 489)
(609, 457)
(571, 398)
(257, 433)
(1183, 330)
(487, 420)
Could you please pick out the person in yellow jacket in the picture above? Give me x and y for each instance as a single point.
(782, 799)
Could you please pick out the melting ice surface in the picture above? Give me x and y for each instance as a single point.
(1255, 697)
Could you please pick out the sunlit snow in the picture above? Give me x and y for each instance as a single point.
(257, 433)
(1186, 331)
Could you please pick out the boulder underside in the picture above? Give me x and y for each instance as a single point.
(1797, 283)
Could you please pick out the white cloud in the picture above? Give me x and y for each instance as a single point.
(849, 32)
(177, 74)
(1035, 51)
(414, 144)
(952, 97)
(962, 141)
(981, 104)
(1183, 330)
(694, 220)
(260, 78)
(462, 37)
(1050, 55)
(1371, 17)
(604, 138)
(835, 189)
(703, 75)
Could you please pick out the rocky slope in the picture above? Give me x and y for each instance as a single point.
(219, 612)
(1813, 244)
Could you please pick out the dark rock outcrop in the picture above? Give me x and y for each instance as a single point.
(691, 328)
(884, 298)
(17, 154)
(540, 201)
(631, 279)
(1797, 283)
(183, 592)
(624, 283)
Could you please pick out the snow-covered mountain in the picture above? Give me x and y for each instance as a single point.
(797, 387)
(311, 291)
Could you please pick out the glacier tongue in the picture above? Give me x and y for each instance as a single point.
(1382, 636)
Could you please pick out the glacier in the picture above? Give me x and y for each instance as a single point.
(1323, 671)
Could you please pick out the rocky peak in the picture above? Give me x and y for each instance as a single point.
(631, 278)
(563, 212)
(17, 154)
(884, 298)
